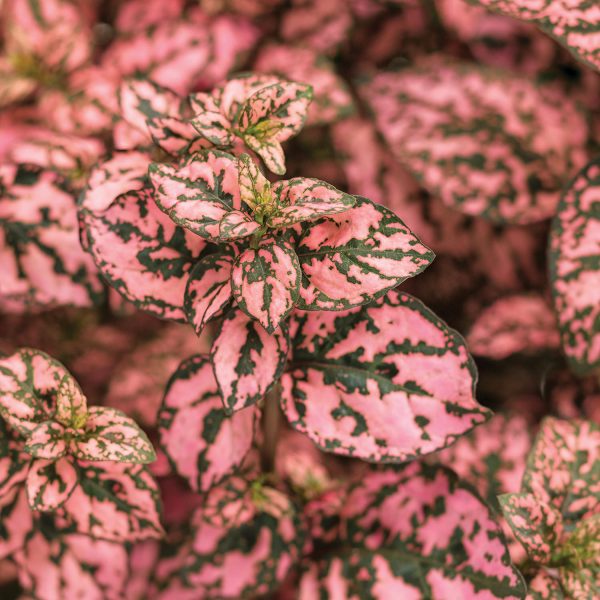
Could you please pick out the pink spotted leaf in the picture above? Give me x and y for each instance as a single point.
(71, 404)
(419, 519)
(198, 192)
(266, 281)
(13, 464)
(201, 440)
(353, 257)
(384, 383)
(237, 224)
(50, 483)
(247, 361)
(47, 440)
(575, 269)
(110, 435)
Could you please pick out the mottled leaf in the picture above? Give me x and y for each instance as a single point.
(236, 224)
(574, 261)
(514, 324)
(204, 444)
(265, 282)
(385, 383)
(50, 483)
(414, 533)
(13, 465)
(487, 142)
(46, 441)
(16, 519)
(198, 192)
(71, 404)
(351, 258)
(247, 361)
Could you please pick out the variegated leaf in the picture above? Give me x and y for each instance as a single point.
(304, 199)
(47, 440)
(253, 532)
(574, 24)
(142, 253)
(414, 533)
(255, 188)
(198, 192)
(50, 483)
(385, 383)
(212, 124)
(41, 259)
(17, 521)
(204, 444)
(114, 501)
(574, 261)
(545, 586)
(522, 323)
(563, 469)
(237, 224)
(265, 282)
(247, 361)
(351, 258)
(487, 142)
(537, 525)
(13, 465)
(110, 435)
(29, 384)
(208, 290)
(71, 404)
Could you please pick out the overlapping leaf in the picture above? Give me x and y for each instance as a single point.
(514, 324)
(414, 533)
(386, 383)
(247, 360)
(256, 532)
(202, 441)
(574, 261)
(486, 143)
(42, 262)
(350, 258)
(50, 483)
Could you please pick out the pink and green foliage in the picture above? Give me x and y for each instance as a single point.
(575, 24)
(486, 143)
(253, 529)
(515, 324)
(386, 383)
(556, 514)
(414, 532)
(575, 269)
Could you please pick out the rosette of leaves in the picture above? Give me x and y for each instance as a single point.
(556, 515)
(85, 465)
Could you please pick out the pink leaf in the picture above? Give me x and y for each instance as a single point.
(71, 404)
(247, 361)
(110, 435)
(236, 224)
(203, 442)
(515, 324)
(385, 383)
(17, 521)
(265, 282)
(255, 188)
(198, 192)
(46, 441)
(574, 269)
(351, 258)
(13, 466)
(50, 483)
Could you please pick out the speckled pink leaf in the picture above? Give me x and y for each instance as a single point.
(29, 384)
(563, 469)
(50, 483)
(110, 435)
(385, 383)
(305, 199)
(574, 24)
(351, 258)
(72, 566)
(198, 192)
(575, 269)
(236, 225)
(13, 465)
(141, 252)
(71, 404)
(46, 441)
(137, 15)
(414, 533)
(265, 282)
(255, 188)
(487, 142)
(537, 525)
(545, 587)
(247, 361)
(201, 440)
(41, 259)
(114, 501)
(522, 323)
(332, 99)
(208, 291)
(252, 531)
(17, 521)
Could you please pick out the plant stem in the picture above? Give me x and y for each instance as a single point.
(270, 428)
